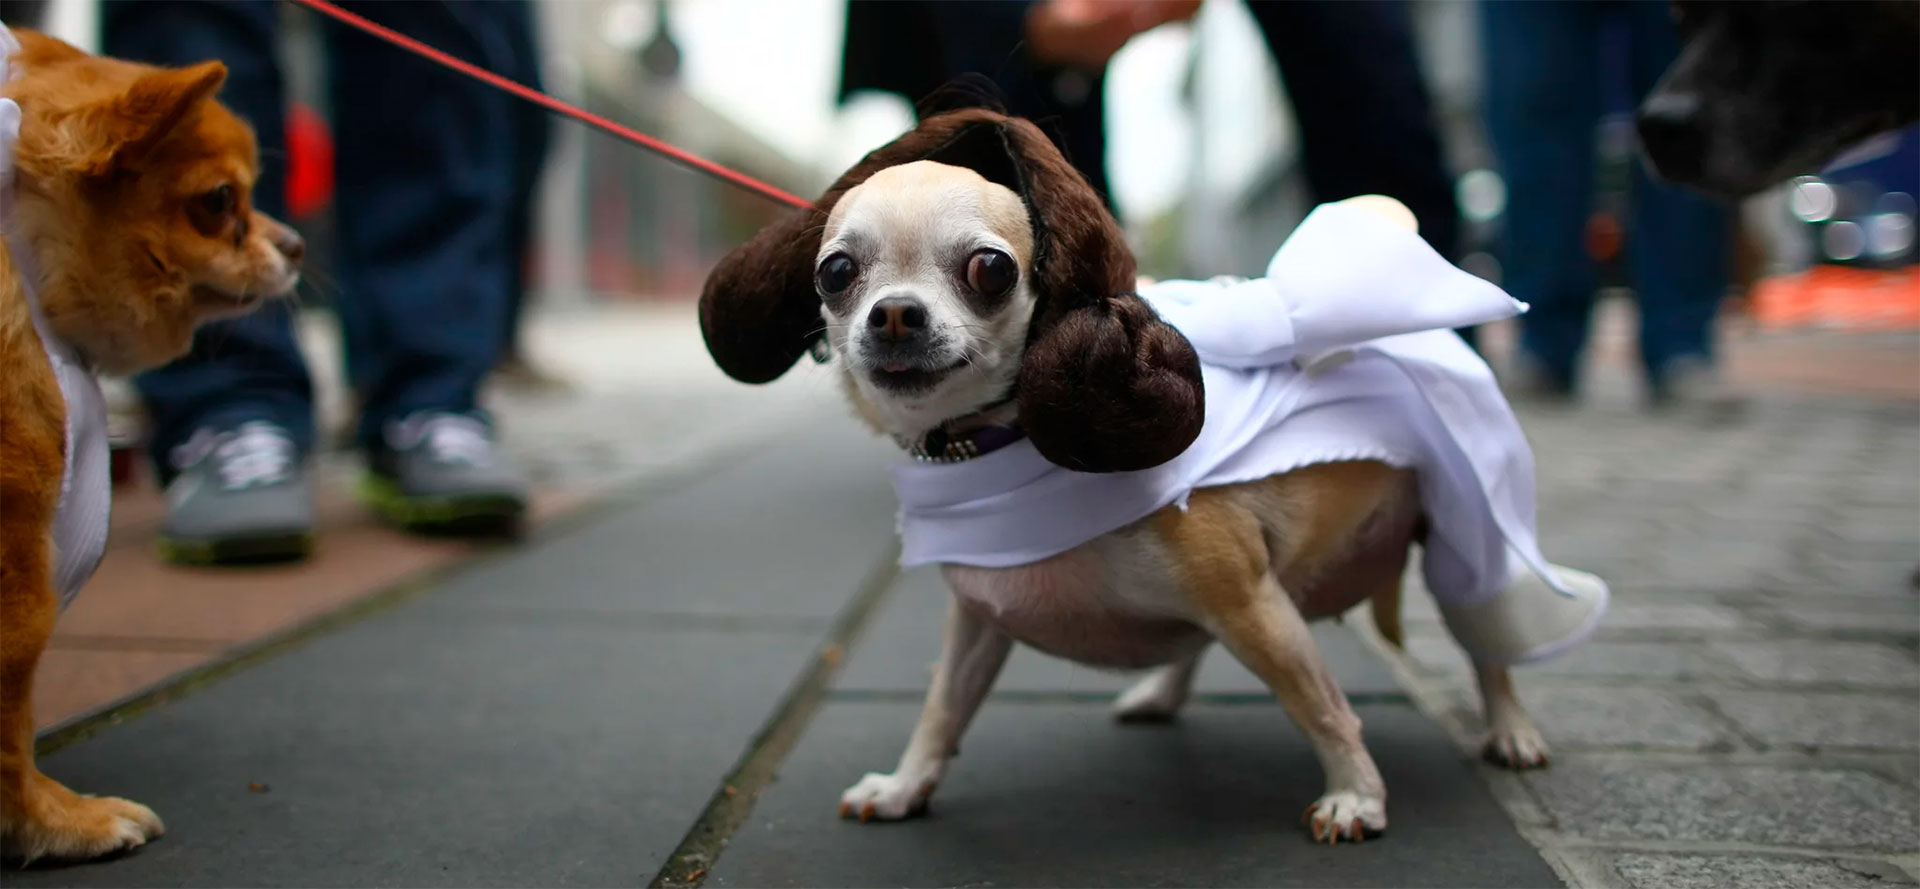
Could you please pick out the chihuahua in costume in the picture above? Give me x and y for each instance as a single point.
(1124, 474)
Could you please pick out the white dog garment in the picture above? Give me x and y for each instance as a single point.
(80, 523)
(1343, 351)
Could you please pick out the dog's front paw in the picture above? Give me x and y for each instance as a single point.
(1515, 744)
(886, 797)
(54, 822)
(1345, 815)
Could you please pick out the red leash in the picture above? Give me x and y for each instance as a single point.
(552, 104)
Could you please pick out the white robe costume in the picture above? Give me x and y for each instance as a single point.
(1343, 351)
(80, 522)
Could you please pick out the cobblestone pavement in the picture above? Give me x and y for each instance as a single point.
(1749, 714)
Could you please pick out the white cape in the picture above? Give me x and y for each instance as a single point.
(1343, 351)
(80, 522)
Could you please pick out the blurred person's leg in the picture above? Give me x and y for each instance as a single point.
(1678, 245)
(426, 188)
(915, 47)
(987, 37)
(1542, 101)
(1366, 120)
(532, 137)
(23, 13)
(229, 420)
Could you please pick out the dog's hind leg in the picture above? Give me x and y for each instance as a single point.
(1228, 573)
(1513, 740)
(1159, 695)
(1268, 634)
(970, 660)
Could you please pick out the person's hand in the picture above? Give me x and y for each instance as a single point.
(1086, 33)
(1393, 211)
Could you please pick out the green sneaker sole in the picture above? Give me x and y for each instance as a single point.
(452, 514)
(249, 550)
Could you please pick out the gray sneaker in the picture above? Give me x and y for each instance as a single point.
(1527, 380)
(1694, 387)
(240, 496)
(442, 472)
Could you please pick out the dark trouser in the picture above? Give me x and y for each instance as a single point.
(425, 166)
(1350, 71)
(533, 137)
(1544, 94)
(1366, 122)
(23, 13)
(916, 47)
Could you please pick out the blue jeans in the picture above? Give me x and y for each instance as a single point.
(1366, 120)
(1365, 117)
(428, 169)
(1545, 95)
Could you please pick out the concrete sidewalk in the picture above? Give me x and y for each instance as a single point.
(574, 713)
(674, 687)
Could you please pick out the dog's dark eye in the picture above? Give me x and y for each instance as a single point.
(991, 273)
(836, 274)
(218, 202)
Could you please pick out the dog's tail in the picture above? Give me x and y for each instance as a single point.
(1386, 614)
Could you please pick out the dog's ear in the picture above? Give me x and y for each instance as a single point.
(1106, 386)
(121, 132)
(759, 311)
(1109, 387)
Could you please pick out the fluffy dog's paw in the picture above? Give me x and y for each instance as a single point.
(1515, 744)
(886, 798)
(1156, 698)
(61, 824)
(1345, 815)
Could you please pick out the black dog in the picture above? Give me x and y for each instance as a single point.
(1767, 89)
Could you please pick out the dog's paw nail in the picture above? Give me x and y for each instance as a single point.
(846, 810)
(866, 813)
(1516, 747)
(1346, 816)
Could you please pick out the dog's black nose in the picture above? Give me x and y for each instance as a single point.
(288, 242)
(897, 318)
(1672, 133)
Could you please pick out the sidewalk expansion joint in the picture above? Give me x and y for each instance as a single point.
(1034, 696)
(237, 659)
(98, 642)
(257, 651)
(616, 620)
(732, 802)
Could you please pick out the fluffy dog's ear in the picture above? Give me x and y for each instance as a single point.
(759, 311)
(1109, 387)
(1106, 386)
(121, 133)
